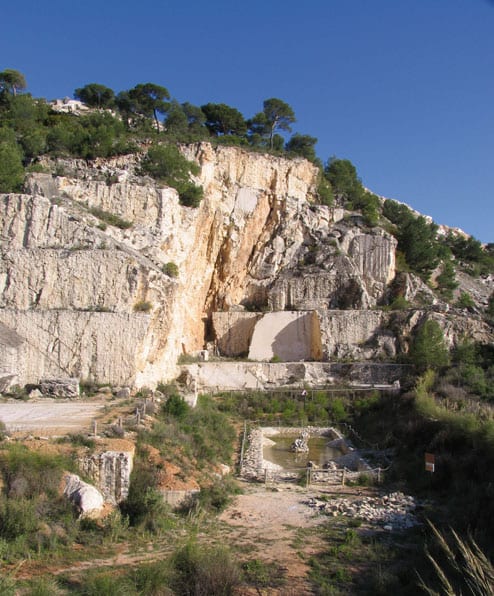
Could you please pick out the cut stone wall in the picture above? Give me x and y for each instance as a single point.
(235, 376)
(233, 331)
(289, 336)
(64, 343)
(110, 471)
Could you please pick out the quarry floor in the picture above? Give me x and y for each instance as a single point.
(49, 416)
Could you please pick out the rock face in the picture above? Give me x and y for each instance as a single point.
(84, 290)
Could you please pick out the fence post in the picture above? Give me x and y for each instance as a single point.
(343, 477)
(378, 475)
(95, 428)
(242, 448)
(265, 477)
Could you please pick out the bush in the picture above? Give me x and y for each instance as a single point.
(260, 574)
(106, 584)
(166, 164)
(43, 586)
(170, 269)
(428, 349)
(144, 504)
(110, 218)
(11, 170)
(30, 473)
(18, 518)
(143, 306)
(202, 571)
(152, 579)
(337, 410)
(190, 195)
(465, 301)
(214, 498)
(399, 303)
(176, 406)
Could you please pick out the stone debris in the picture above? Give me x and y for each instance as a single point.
(60, 387)
(393, 511)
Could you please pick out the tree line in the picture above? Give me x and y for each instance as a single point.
(124, 122)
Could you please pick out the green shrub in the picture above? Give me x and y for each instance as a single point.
(97, 583)
(7, 586)
(176, 406)
(190, 195)
(465, 301)
(167, 389)
(214, 498)
(18, 517)
(144, 505)
(325, 192)
(262, 574)
(170, 269)
(399, 303)
(152, 579)
(143, 306)
(337, 410)
(203, 571)
(43, 586)
(428, 349)
(11, 169)
(110, 218)
(28, 474)
(79, 440)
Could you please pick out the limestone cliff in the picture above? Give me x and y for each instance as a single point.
(85, 295)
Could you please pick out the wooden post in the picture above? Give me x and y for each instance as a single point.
(265, 477)
(120, 424)
(343, 477)
(95, 428)
(138, 417)
(378, 475)
(144, 407)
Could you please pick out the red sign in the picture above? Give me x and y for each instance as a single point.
(430, 462)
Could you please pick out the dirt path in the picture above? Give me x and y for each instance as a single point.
(266, 523)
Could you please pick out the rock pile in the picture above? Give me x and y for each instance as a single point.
(393, 511)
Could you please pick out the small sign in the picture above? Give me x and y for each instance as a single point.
(430, 462)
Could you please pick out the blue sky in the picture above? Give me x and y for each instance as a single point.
(404, 89)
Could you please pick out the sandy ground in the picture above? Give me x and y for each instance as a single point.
(49, 416)
(266, 523)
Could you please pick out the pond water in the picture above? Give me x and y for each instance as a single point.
(319, 452)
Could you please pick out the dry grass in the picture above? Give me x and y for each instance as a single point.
(465, 570)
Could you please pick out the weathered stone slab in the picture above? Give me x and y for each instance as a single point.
(287, 335)
(85, 497)
(60, 387)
